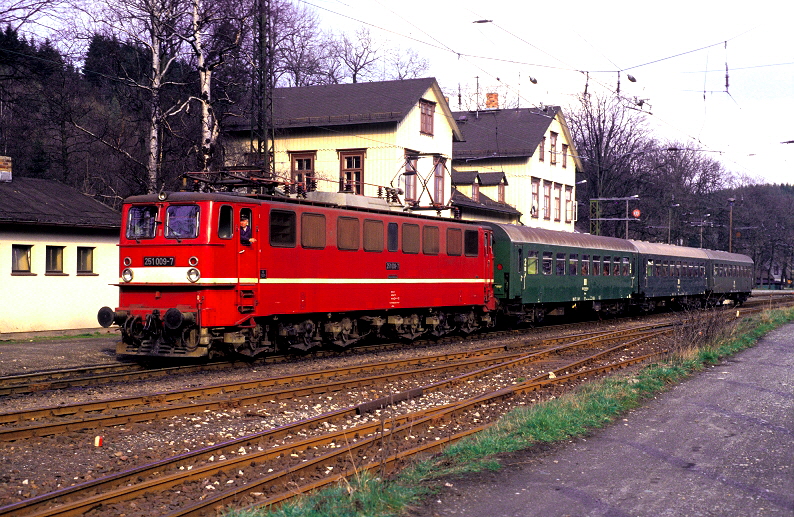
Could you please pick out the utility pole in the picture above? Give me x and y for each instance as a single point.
(731, 200)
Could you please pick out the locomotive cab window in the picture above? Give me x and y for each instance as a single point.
(225, 222)
(182, 222)
(141, 222)
(313, 231)
(471, 243)
(282, 228)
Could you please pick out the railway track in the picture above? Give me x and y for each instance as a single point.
(278, 463)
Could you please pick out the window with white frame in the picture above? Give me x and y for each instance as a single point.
(427, 110)
(535, 209)
(439, 170)
(411, 180)
(546, 200)
(553, 148)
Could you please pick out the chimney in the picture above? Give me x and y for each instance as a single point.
(5, 168)
(492, 101)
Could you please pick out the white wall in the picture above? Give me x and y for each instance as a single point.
(56, 302)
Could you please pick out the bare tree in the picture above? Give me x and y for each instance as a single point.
(17, 13)
(158, 26)
(405, 64)
(216, 28)
(357, 54)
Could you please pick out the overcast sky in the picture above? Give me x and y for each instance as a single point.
(557, 42)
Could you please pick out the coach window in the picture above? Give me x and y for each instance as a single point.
(596, 265)
(225, 222)
(605, 268)
(373, 235)
(411, 238)
(626, 266)
(282, 227)
(649, 268)
(471, 243)
(573, 264)
(560, 264)
(548, 258)
(348, 233)
(430, 240)
(393, 237)
(313, 231)
(585, 265)
(532, 263)
(616, 266)
(454, 242)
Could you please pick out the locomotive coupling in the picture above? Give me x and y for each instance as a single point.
(174, 318)
(107, 317)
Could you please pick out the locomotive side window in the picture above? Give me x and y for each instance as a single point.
(430, 243)
(410, 238)
(454, 242)
(532, 263)
(573, 264)
(182, 222)
(348, 233)
(282, 228)
(393, 237)
(225, 222)
(547, 262)
(373, 235)
(471, 243)
(313, 230)
(585, 265)
(141, 222)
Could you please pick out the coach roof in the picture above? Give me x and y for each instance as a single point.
(525, 234)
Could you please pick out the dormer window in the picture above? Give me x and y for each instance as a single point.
(475, 192)
(427, 109)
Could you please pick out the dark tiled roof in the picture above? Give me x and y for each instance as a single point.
(485, 203)
(342, 104)
(502, 132)
(49, 203)
(463, 177)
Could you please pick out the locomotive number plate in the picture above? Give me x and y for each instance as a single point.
(158, 261)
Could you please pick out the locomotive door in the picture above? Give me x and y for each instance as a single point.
(247, 258)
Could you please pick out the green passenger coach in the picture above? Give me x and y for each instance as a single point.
(539, 272)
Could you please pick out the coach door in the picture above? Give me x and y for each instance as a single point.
(247, 257)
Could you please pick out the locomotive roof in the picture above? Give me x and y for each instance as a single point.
(237, 197)
(526, 234)
(656, 248)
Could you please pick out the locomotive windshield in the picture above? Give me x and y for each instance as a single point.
(182, 222)
(141, 222)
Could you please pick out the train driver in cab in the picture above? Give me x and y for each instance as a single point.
(245, 232)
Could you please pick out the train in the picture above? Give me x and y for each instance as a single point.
(211, 273)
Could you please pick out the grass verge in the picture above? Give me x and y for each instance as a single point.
(591, 406)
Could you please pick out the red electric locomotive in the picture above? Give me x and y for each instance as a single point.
(205, 273)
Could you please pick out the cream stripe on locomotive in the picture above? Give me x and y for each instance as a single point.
(179, 275)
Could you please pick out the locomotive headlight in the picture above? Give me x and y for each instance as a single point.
(193, 275)
(126, 275)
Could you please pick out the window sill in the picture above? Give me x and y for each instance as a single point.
(87, 274)
(22, 273)
(56, 274)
